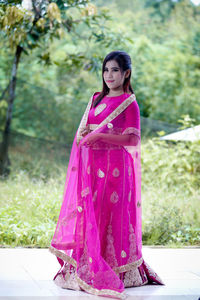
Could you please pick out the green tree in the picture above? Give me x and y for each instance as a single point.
(29, 25)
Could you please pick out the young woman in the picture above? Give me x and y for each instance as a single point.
(98, 238)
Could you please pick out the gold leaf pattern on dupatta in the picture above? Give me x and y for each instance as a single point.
(88, 169)
(85, 191)
(129, 196)
(110, 125)
(94, 196)
(116, 172)
(123, 254)
(100, 173)
(99, 109)
(138, 204)
(90, 259)
(114, 198)
(79, 209)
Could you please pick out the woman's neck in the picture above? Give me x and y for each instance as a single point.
(114, 93)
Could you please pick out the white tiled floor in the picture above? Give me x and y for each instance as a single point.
(27, 274)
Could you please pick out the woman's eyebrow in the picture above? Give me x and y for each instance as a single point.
(112, 68)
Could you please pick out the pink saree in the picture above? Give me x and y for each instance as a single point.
(98, 238)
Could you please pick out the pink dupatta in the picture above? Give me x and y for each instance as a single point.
(98, 238)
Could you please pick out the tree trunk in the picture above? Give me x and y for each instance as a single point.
(4, 158)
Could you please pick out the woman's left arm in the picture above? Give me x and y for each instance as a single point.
(124, 140)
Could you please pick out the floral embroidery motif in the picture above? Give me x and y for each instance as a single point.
(114, 197)
(79, 209)
(129, 196)
(94, 196)
(100, 173)
(74, 169)
(85, 192)
(88, 170)
(123, 254)
(90, 259)
(99, 109)
(110, 125)
(110, 249)
(115, 172)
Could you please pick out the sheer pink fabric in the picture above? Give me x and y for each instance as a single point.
(98, 238)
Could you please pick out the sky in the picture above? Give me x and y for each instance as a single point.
(196, 2)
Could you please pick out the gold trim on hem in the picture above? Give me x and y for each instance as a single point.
(128, 267)
(87, 287)
(63, 256)
(82, 283)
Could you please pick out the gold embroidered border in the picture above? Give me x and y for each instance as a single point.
(83, 122)
(103, 292)
(92, 126)
(130, 130)
(124, 268)
(112, 116)
(63, 256)
(117, 111)
(82, 283)
(128, 267)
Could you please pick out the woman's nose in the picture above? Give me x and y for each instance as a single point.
(109, 74)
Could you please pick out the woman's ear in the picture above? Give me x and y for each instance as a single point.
(127, 73)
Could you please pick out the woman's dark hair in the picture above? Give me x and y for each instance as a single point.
(124, 62)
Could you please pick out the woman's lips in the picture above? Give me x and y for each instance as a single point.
(109, 80)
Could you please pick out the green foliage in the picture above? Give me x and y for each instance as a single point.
(28, 216)
(171, 185)
(31, 197)
(165, 62)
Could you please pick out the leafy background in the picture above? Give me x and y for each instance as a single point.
(55, 82)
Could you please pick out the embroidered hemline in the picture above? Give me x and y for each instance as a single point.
(82, 283)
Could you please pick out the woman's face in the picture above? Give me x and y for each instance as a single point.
(113, 76)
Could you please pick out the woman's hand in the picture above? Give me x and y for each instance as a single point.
(91, 139)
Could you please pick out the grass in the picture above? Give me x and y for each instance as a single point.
(31, 197)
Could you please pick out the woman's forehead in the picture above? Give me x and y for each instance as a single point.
(111, 64)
